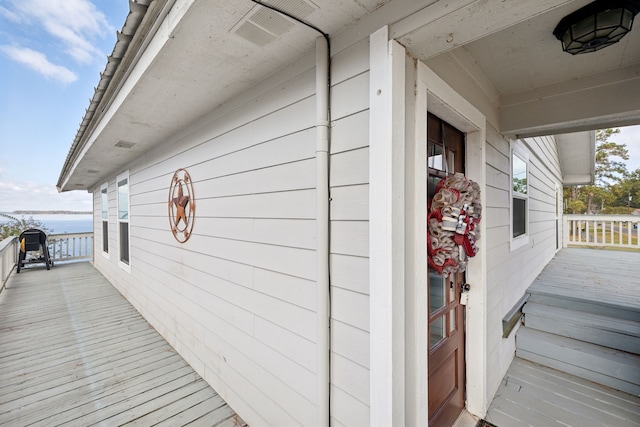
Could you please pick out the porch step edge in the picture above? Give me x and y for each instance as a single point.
(615, 333)
(609, 367)
(629, 312)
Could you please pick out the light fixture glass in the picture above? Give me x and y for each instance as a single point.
(596, 26)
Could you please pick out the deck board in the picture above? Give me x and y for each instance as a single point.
(605, 277)
(534, 395)
(73, 351)
(595, 288)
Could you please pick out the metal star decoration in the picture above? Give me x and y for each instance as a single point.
(182, 206)
(181, 202)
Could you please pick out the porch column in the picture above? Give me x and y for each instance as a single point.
(386, 230)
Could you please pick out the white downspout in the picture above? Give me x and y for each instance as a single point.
(322, 230)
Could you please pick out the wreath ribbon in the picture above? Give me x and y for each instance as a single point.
(452, 224)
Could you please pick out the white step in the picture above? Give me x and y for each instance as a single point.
(616, 369)
(574, 301)
(615, 333)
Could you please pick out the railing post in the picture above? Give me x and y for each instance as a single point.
(8, 258)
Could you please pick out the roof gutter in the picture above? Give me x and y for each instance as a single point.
(137, 31)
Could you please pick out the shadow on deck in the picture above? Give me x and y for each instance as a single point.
(578, 351)
(73, 351)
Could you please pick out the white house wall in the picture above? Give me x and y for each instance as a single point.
(349, 262)
(509, 273)
(237, 300)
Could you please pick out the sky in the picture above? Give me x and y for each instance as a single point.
(51, 56)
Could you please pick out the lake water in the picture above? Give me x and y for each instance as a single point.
(61, 223)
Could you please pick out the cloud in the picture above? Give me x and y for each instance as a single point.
(36, 196)
(38, 61)
(9, 15)
(77, 24)
(630, 135)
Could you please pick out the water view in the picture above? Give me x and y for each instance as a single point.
(60, 223)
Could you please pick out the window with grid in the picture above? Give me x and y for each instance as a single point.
(123, 218)
(519, 197)
(104, 202)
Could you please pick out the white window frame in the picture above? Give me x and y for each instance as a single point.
(122, 177)
(104, 207)
(518, 149)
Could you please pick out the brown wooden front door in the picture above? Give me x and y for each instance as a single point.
(445, 152)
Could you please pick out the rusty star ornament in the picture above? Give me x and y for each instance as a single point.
(180, 203)
(182, 206)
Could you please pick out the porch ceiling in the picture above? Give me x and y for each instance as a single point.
(511, 50)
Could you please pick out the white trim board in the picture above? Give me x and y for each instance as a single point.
(446, 103)
(386, 229)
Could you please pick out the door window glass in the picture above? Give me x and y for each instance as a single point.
(436, 331)
(437, 291)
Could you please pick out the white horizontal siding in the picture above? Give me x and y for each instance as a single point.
(347, 273)
(509, 273)
(350, 203)
(243, 285)
(346, 410)
(238, 299)
(349, 259)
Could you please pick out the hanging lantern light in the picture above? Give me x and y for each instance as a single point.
(596, 26)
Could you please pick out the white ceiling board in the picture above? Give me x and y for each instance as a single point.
(540, 89)
(577, 156)
(527, 55)
(446, 25)
(608, 99)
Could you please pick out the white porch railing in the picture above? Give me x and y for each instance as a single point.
(71, 246)
(8, 258)
(602, 231)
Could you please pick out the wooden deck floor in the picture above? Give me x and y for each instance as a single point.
(74, 352)
(537, 396)
(602, 276)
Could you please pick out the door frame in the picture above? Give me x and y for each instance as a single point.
(401, 91)
(434, 95)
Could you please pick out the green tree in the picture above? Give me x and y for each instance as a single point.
(576, 207)
(609, 155)
(16, 226)
(627, 188)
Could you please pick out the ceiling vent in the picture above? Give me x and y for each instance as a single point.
(124, 144)
(261, 25)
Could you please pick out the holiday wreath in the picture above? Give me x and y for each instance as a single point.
(452, 224)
